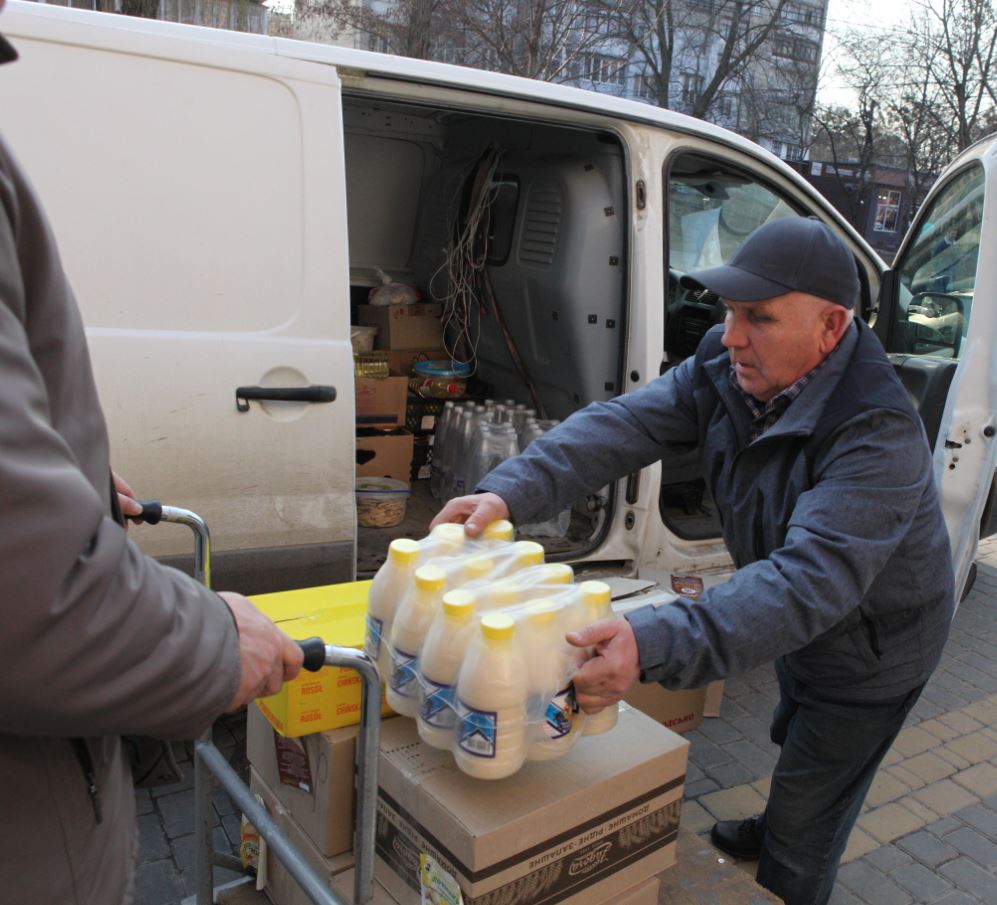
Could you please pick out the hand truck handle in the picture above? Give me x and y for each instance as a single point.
(314, 651)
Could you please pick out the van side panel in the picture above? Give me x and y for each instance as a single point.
(198, 197)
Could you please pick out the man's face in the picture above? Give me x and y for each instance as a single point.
(773, 343)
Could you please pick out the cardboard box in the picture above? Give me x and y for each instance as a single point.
(400, 361)
(580, 830)
(381, 401)
(404, 326)
(281, 887)
(312, 777)
(330, 698)
(679, 711)
(645, 893)
(393, 451)
(714, 698)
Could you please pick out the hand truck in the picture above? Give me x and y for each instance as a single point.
(209, 763)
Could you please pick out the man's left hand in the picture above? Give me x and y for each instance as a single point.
(126, 497)
(612, 668)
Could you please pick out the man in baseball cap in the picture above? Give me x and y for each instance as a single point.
(821, 474)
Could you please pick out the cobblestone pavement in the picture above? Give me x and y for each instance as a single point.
(927, 833)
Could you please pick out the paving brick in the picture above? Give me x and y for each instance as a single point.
(695, 817)
(943, 826)
(704, 753)
(841, 896)
(718, 731)
(143, 802)
(961, 721)
(888, 858)
(957, 760)
(905, 776)
(158, 883)
(975, 747)
(959, 898)
(985, 710)
(700, 787)
(760, 761)
(892, 757)
(764, 786)
(152, 840)
(927, 848)
(732, 774)
(928, 767)
(860, 843)
(185, 850)
(944, 797)
(981, 780)
(870, 885)
(733, 804)
(920, 811)
(969, 876)
(969, 842)
(889, 822)
(885, 787)
(980, 817)
(914, 740)
(753, 728)
(939, 729)
(922, 883)
(177, 813)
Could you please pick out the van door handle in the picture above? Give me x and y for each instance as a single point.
(316, 393)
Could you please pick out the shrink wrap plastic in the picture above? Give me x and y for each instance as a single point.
(469, 637)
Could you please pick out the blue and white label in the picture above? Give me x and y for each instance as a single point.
(372, 641)
(438, 705)
(404, 681)
(560, 715)
(477, 731)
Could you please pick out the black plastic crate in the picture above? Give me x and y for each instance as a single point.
(421, 414)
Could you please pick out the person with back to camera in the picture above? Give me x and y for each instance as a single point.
(822, 475)
(98, 640)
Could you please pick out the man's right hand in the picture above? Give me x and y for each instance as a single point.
(474, 511)
(267, 657)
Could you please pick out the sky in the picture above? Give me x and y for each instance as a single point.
(876, 16)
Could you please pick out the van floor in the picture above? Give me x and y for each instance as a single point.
(372, 543)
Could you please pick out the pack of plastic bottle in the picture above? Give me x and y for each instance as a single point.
(469, 638)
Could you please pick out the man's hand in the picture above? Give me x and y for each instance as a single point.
(126, 497)
(613, 667)
(268, 658)
(474, 511)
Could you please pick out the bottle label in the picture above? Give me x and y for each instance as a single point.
(372, 640)
(477, 730)
(403, 677)
(438, 705)
(560, 713)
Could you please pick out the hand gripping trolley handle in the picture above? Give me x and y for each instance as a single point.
(209, 763)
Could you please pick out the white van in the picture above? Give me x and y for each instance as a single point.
(222, 199)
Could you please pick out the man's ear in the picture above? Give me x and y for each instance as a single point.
(835, 320)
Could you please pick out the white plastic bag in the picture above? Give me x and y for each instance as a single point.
(392, 293)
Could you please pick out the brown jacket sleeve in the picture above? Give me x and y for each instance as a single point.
(96, 638)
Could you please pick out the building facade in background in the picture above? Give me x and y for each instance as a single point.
(235, 15)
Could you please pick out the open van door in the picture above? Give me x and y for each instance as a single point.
(937, 319)
(195, 185)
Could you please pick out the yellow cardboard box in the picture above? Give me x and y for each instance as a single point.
(330, 698)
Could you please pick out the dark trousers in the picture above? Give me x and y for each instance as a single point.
(830, 752)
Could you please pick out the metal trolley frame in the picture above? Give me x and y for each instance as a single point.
(210, 764)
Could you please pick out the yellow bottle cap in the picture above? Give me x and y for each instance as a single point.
(478, 567)
(403, 551)
(451, 535)
(497, 626)
(504, 593)
(558, 573)
(597, 595)
(458, 605)
(529, 552)
(498, 530)
(541, 611)
(430, 578)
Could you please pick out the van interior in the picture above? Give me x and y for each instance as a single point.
(516, 227)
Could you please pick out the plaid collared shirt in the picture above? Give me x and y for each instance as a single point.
(765, 414)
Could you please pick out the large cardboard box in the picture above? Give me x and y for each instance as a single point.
(404, 326)
(312, 777)
(580, 830)
(392, 451)
(280, 886)
(381, 401)
(680, 711)
(330, 698)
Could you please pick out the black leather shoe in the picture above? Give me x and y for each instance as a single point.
(739, 838)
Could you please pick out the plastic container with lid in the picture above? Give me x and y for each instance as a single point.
(492, 690)
(362, 337)
(445, 379)
(381, 502)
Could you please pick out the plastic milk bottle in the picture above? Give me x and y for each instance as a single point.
(443, 540)
(492, 689)
(498, 532)
(595, 601)
(553, 714)
(439, 663)
(390, 584)
(522, 555)
(412, 621)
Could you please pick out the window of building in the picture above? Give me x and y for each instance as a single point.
(692, 87)
(605, 69)
(791, 151)
(644, 87)
(794, 48)
(723, 106)
(887, 211)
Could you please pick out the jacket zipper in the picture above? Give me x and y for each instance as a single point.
(86, 762)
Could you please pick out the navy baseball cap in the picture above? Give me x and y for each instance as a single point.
(791, 254)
